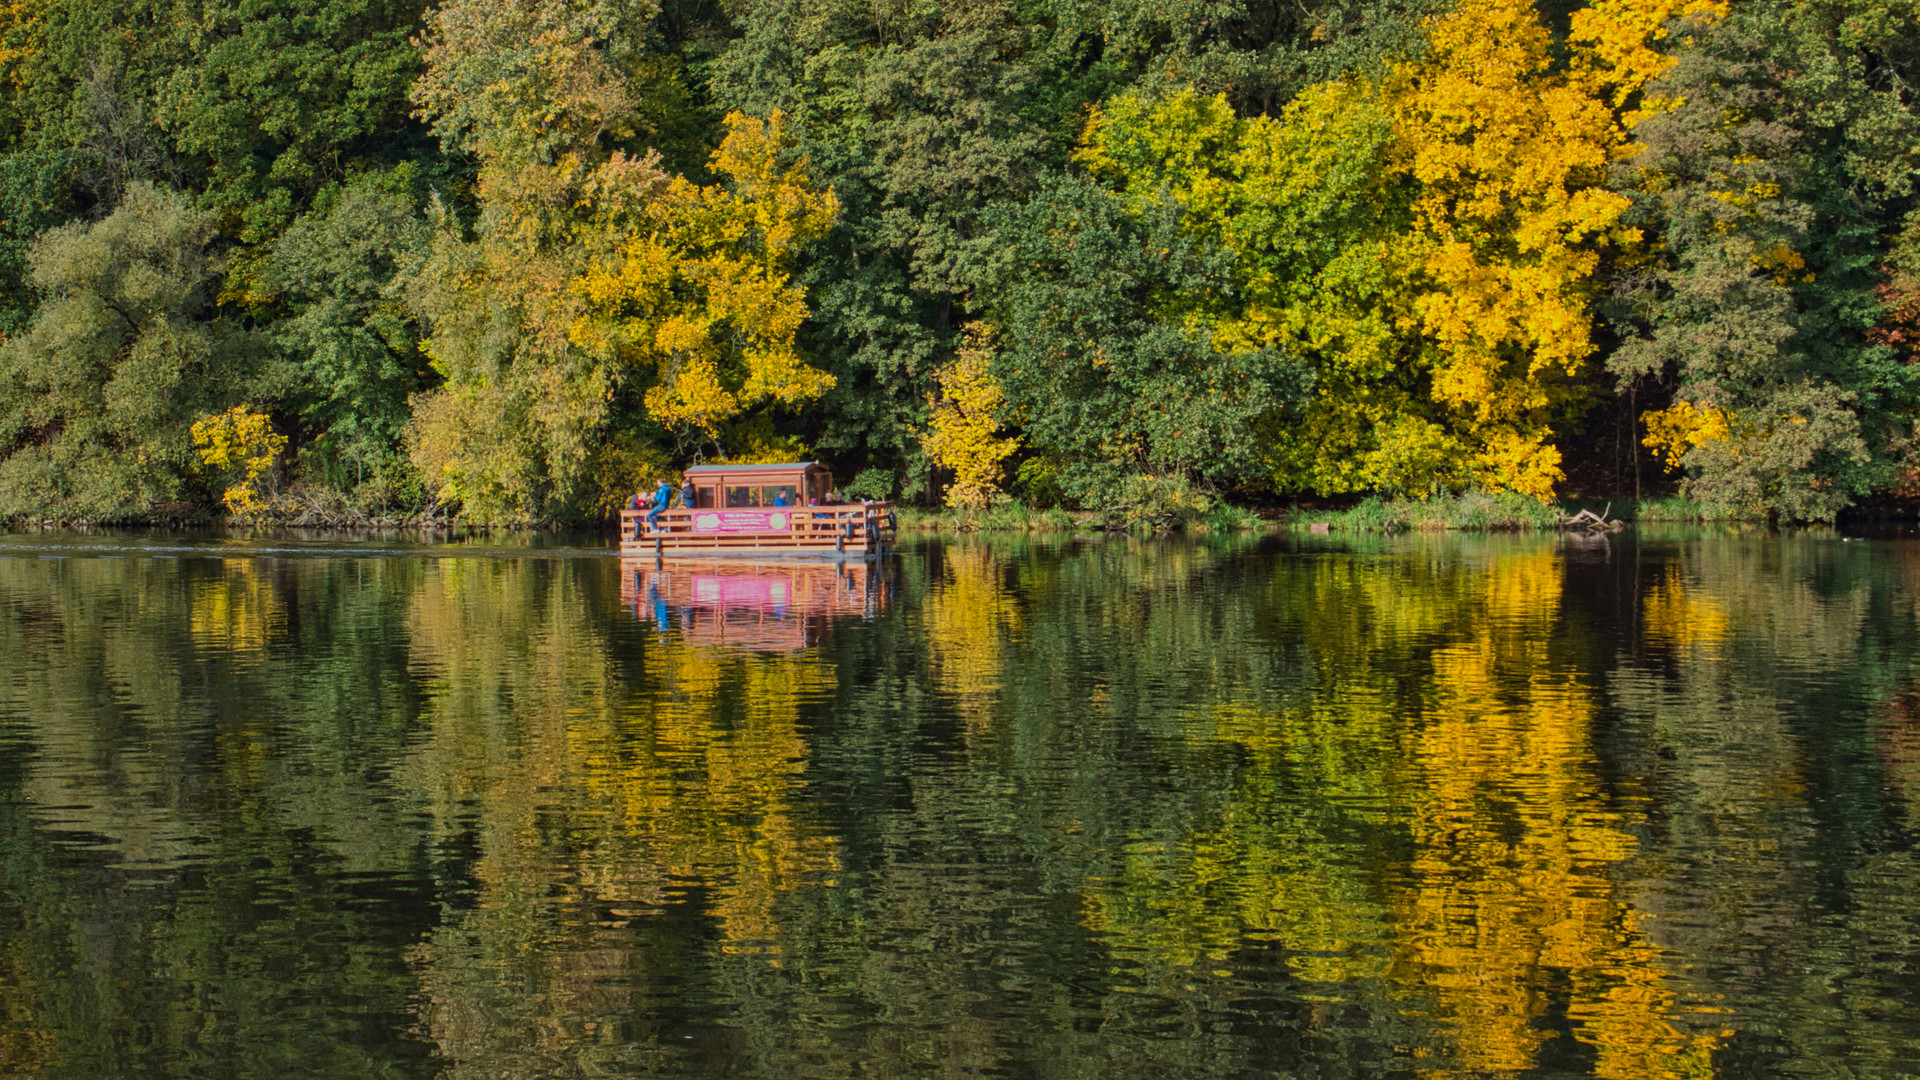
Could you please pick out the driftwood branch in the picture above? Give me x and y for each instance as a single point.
(1592, 522)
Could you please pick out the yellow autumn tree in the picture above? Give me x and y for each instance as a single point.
(242, 443)
(594, 285)
(702, 293)
(963, 432)
(1509, 222)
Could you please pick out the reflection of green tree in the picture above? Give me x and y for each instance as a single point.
(1753, 705)
(214, 882)
(1386, 765)
(1411, 808)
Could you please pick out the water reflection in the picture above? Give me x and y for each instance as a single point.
(1450, 807)
(770, 606)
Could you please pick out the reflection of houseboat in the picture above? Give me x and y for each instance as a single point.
(758, 510)
(769, 606)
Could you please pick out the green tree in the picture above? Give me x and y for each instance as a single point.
(33, 196)
(927, 121)
(918, 120)
(1313, 225)
(98, 396)
(1772, 185)
(1099, 377)
(259, 102)
(351, 344)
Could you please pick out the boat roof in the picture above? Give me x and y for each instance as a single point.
(785, 466)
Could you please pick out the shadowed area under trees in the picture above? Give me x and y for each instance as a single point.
(508, 260)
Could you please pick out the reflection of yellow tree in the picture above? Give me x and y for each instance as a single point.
(969, 619)
(1514, 835)
(598, 799)
(238, 610)
(1683, 618)
(1483, 761)
(729, 816)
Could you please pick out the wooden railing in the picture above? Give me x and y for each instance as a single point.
(853, 522)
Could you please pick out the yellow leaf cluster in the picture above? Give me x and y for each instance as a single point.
(1617, 50)
(20, 23)
(965, 422)
(1783, 264)
(1510, 219)
(1673, 431)
(700, 290)
(242, 441)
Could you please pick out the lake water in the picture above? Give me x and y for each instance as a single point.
(1637, 806)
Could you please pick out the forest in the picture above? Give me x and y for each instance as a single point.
(504, 261)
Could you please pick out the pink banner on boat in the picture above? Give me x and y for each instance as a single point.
(734, 521)
(731, 591)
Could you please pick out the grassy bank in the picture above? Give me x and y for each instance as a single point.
(1007, 517)
(1479, 511)
(1473, 510)
(1676, 510)
(1219, 517)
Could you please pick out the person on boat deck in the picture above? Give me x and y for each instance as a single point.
(779, 498)
(661, 499)
(637, 502)
(686, 492)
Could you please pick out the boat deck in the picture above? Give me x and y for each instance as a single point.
(853, 530)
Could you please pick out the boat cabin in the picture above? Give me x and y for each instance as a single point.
(801, 483)
(760, 510)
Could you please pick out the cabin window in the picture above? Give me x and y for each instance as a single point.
(743, 496)
(779, 495)
(703, 497)
(817, 489)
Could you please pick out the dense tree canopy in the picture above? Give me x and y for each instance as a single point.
(508, 257)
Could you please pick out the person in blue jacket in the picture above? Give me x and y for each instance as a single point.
(661, 500)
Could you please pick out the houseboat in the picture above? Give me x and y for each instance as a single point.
(761, 511)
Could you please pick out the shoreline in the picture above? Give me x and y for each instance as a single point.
(1471, 512)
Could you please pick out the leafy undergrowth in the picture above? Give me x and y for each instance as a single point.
(1482, 511)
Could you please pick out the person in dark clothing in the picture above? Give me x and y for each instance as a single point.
(686, 493)
(661, 499)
